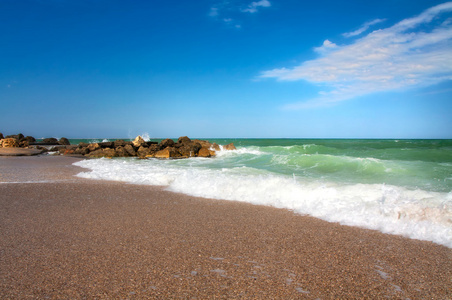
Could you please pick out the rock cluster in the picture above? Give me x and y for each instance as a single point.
(167, 148)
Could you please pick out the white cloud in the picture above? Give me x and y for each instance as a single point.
(399, 57)
(363, 28)
(252, 8)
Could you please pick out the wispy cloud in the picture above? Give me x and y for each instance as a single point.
(224, 11)
(253, 7)
(363, 28)
(415, 52)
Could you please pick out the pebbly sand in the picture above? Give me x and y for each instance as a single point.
(63, 237)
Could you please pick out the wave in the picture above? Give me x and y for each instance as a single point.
(415, 213)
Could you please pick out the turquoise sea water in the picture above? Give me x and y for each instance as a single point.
(395, 186)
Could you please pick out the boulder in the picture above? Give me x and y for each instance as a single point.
(18, 137)
(9, 143)
(24, 144)
(167, 153)
(50, 141)
(205, 144)
(184, 140)
(93, 147)
(130, 150)
(190, 149)
(107, 145)
(81, 150)
(107, 152)
(229, 147)
(64, 141)
(1, 136)
(205, 152)
(119, 143)
(167, 143)
(216, 147)
(143, 152)
(29, 139)
(121, 152)
(138, 142)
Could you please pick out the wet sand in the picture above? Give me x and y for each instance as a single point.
(63, 237)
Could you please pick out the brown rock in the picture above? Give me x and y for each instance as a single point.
(18, 137)
(50, 141)
(168, 152)
(138, 142)
(121, 152)
(130, 150)
(64, 141)
(190, 149)
(81, 150)
(107, 152)
(24, 144)
(93, 147)
(119, 143)
(143, 152)
(167, 143)
(184, 140)
(229, 147)
(205, 152)
(9, 143)
(107, 145)
(29, 139)
(216, 147)
(205, 144)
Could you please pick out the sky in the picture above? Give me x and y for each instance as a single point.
(226, 68)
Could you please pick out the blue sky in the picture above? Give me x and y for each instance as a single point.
(214, 68)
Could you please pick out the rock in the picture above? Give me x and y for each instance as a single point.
(18, 137)
(93, 147)
(167, 153)
(9, 143)
(205, 144)
(121, 152)
(167, 143)
(1, 136)
(229, 147)
(64, 141)
(81, 150)
(50, 141)
(205, 152)
(216, 147)
(183, 140)
(118, 143)
(24, 144)
(190, 149)
(130, 150)
(107, 145)
(107, 152)
(143, 152)
(138, 142)
(29, 139)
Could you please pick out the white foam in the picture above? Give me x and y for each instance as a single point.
(390, 209)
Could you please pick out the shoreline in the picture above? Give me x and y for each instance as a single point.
(68, 237)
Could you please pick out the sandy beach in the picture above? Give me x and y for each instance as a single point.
(62, 237)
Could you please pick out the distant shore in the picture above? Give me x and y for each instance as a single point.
(66, 237)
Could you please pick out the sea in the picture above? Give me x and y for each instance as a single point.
(401, 187)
